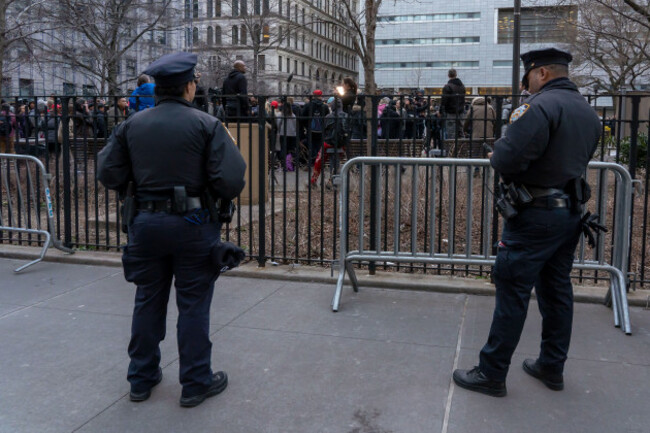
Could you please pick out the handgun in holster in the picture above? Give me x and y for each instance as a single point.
(579, 192)
(220, 211)
(128, 207)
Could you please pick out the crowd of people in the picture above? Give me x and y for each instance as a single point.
(298, 130)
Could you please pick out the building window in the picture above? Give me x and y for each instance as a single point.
(302, 71)
(280, 64)
(235, 8)
(266, 36)
(210, 36)
(210, 9)
(195, 36)
(195, 9)
(295, 66)
(288, 65)
(261, 62)
(131, 67)
(428, 65)
(431, 41)
(280, 7)
(538, 25)
(256, 7)
(188, 9)
(235, 35)
(217, 35)
(242, 38)
(69, 89)
(467, 16)
(303, 43)
(265, 6)
(89, 90)
(217, 8)
(243, 9)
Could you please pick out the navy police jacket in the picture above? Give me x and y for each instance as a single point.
(172, 144)
(550, 139)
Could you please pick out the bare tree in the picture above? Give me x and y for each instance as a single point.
(260, 29)
(20, 23)
(604, 58)
(609, 45)
(99, 33)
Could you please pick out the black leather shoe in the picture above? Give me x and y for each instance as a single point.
(219, 383)
(554, 381)
(475, 380)
(144, 395)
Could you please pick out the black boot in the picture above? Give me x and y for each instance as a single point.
(475, 380)
(554, 381)
(219, 383)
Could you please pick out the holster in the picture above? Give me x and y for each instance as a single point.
(579, 191)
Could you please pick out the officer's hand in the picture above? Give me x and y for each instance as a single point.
(489, 155)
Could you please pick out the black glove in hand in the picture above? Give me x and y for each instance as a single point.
(226, 255)
(590, 225)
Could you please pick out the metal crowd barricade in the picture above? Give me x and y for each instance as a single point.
(24, 181)
(416, 197)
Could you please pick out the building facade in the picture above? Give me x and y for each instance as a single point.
(307, 40)
(416, 46)
(35, 67)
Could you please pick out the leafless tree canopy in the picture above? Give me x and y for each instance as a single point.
(97, 34)
(20, 22)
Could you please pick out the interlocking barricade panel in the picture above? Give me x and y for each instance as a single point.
(26, 214)
(435, 213)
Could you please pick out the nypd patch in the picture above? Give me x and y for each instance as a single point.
(518, 113)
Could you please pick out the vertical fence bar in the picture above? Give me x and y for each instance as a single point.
(261, 258)
(67, 186)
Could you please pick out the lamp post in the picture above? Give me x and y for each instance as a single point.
(516, 40)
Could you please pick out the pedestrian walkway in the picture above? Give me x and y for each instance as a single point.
(382, 364)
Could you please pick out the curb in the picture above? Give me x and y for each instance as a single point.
(306, 274)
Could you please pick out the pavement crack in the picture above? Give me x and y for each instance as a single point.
(450, 394)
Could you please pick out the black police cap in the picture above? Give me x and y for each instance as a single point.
(550, 56)
(173, 69)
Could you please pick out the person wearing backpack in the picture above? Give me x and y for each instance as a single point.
(336, 135)
(7, 122)
(313, 121)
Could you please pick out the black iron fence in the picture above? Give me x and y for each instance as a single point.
(288, 210)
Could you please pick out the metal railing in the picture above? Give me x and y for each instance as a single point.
(24, 181)
(418, 201)
(297, 224)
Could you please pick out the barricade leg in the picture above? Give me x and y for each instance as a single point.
(336, 300)
(353, 276)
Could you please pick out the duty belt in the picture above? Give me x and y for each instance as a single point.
(549, 202)
(543, 192)
(167, 205)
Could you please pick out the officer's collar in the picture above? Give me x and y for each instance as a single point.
(562, 82)
(174, 99)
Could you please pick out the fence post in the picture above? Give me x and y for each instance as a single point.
(634, 156)
(261, 121)
(374, 181)
(634, 138)
(67, 188)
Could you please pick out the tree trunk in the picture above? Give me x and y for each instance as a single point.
(3, 47)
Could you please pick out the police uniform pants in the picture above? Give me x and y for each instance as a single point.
(537, 248)
(163, 246)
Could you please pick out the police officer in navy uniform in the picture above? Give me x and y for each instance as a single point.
(175, 155)
(548, 144)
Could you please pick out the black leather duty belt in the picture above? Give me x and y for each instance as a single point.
(167, 205)
(550, 202)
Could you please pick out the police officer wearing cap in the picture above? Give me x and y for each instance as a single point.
(548, 144)
(176, 156)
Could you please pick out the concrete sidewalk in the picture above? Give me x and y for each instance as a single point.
(382, 364)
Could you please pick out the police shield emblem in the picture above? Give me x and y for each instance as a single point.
(518, 113)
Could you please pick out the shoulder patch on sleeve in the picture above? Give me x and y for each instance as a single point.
(229, 134)
(518, 113)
